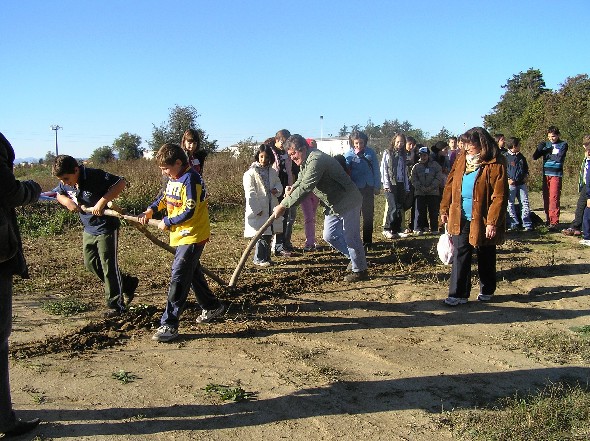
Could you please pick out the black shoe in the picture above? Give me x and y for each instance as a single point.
(20, 427)
(129, 290)
(357, 277)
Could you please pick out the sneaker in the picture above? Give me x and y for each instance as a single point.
(404, 234)
(454, 301)
(484, 297)
(282, 253)
(568, 232)
(165, 333)
(357, 277)
(418, 232)
(209, 314)
(310, 248)
(387, 234)
(129, 293)
(585, 242)
(262, 263)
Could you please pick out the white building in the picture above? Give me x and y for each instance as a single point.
(333, 146)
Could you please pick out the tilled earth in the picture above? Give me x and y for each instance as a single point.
(321, 359)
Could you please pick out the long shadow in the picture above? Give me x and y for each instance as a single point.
(429, 393)
(565, 269)
(310, 316)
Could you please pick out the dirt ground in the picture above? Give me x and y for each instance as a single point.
(377, 360)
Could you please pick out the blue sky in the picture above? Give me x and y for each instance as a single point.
(99, 69)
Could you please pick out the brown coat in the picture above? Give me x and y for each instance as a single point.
(490, 199)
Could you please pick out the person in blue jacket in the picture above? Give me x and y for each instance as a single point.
(363, 164)
(553, 154)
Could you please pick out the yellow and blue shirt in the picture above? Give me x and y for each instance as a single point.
(185, 200)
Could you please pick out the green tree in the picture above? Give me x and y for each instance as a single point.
(371, 130)
(521, 90)
(49, 158)
(180, 119)
(128, 146)
(102, 155)
(343, 131)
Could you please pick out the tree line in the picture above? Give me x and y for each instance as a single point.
(525, 110)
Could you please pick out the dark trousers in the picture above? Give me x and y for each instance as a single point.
(579, 214)
(101, 259)
(586, 223)
(368, 212)
(400, 196)
(6, 413)
(187, 272)
(460, 283)
(427, 204)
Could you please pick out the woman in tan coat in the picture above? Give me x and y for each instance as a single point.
(474, 206)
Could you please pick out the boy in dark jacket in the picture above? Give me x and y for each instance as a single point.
(518, 172)
(553, 153)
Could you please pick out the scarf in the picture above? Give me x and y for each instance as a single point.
(472, 163)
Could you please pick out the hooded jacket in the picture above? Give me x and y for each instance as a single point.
(490, 200)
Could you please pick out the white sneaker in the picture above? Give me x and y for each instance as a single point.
(165, 333)
(484, 297)
(585, 242)
(209, 314)
(403, 235)
(262, 263)
(387, 234)
(454, 301)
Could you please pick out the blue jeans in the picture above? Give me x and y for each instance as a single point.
(6, 413)
(520, 192)
(343, 232)
(262, 250)
(187, 272)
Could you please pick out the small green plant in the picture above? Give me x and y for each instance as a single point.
(66, 307)
(227, 393)
(124, 376)
(583, 331)
(36, 395)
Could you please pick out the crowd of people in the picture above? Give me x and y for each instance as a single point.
(469, 184)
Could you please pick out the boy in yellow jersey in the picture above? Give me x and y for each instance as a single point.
(185, 199)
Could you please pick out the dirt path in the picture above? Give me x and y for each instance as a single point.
(377, 361)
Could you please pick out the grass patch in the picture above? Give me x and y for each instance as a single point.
(554, 346)
(66, 307)
(559, 412)
(124, 377)
(227, 393)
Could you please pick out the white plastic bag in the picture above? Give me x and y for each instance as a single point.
(445, 247)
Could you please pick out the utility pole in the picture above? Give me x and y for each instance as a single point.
(56, 128)
(321, 128)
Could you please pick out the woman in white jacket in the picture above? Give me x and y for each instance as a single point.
(262, 187)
